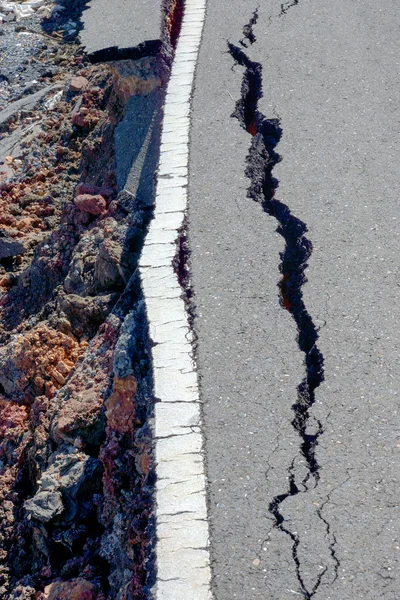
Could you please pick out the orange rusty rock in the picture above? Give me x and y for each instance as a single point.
(25, 223)
(7, 280)
(143, 463)
(83, 404)
(120, 407)
(58, 377)
(50, 389)
(63, 368)
(7, 219)
(36, 354)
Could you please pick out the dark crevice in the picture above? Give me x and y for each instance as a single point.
(181, 266)
(261, 160)
(174, 21)
(248, 32)
(114, 53)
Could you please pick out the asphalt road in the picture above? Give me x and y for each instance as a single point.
(314, 515)
(331, 75)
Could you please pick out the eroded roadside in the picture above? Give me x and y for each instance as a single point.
(75, 371)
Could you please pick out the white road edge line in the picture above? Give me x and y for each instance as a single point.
(182, 555)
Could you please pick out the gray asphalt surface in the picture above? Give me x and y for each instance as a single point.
(331, 74)
(121, 23)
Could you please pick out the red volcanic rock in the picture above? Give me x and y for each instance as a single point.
(86, 118)
(120, 405)
(29, 365)
(93, 205)
(77, 84)
(82, 404)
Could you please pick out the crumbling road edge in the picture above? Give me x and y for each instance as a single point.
(182, 553)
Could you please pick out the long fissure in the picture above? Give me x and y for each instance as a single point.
(261, 160)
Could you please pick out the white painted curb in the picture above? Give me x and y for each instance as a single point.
(183, 564)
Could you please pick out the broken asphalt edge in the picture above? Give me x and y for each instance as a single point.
(182, 545)
(182, 531)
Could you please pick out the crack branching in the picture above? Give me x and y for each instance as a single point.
(248, 33)
(332, 542)
(331, 537)
(261, 160)
(285, 7)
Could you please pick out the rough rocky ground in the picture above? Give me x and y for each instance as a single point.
(75, 375)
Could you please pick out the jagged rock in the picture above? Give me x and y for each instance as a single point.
(69, 520)
(94, 205)
(81, 400)
(85, 314)
(80, 278)
(120, 405)
(23, 592)
(29, 364)
(45, 505)
(10, 247)
(108, 272)
(77, 84)
(98, 264)
(69, 478)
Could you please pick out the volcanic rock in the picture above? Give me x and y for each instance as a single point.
(44, 506)
(70, 478)
(9, 247)
(108, 272)
(94, 205)
(78, 84)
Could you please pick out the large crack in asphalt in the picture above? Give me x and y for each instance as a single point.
(261, 160)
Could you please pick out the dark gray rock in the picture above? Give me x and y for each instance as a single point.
(45, 505)
(9, 247)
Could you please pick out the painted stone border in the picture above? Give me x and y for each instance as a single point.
(183, 564)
